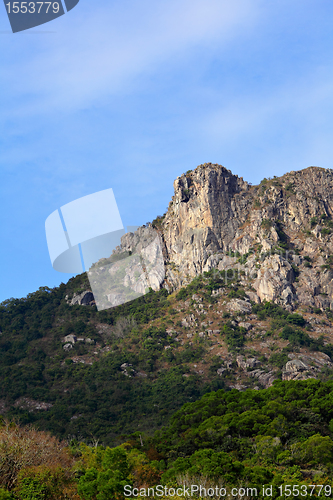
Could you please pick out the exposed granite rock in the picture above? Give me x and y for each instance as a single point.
(134, 267)
(32, 405)
(245, 325)
(274, 281)
(294, 370)
(265, 379)
(238, 305)
(70, 338)
(209, 205)
(214, 212)
(85, 298)
(302, 367)
(146, 243)
(247, 363)
(127, 370)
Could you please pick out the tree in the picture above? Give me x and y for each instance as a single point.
(23, 447)
(107, 475)
(46, 483)
(317, 450)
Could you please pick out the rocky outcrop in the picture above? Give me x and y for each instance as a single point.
(31, 405)
(133, 268)
(208, 207)
(281, 226)
(126, 369)
(83, 299)
(238, 305)
(302, 367)
(275, 278)
(247, 363)
(265, 378)
(70, 338)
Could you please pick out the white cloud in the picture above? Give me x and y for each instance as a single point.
(99, 51)
(302, 104)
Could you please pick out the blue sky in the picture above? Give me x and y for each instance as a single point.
(131, 94)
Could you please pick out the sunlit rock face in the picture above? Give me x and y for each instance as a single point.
(208, 207)
(215, 215)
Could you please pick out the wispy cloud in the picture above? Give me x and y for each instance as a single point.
(287, 125)
(97, 51)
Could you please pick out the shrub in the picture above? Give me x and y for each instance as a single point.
(236, 293)
(295, 336)
(22, 447)
(5, 495)
(296, 319)
(266, 224)
(124, 326)
(234, 336)
(317, 450)
(182, 294)
(278, 359)
(290, 188)
(208, 462)
(107, 474)
(45, 483)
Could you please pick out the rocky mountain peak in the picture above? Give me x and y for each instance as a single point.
(277, 233)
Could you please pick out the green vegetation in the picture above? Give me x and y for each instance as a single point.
(290, 188)
(94, 398)
(280, 315)
(209, 281)
(275, 436)
(281, 436)
(234, 336)
(157, 223)
(322, 220)
(137, 377)
(266, 224)
(329, 263)
(289, 328)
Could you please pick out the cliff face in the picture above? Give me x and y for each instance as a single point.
(209, 206)
(282, 228)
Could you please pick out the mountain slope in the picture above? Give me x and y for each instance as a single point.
(286, 220)
(246, 301)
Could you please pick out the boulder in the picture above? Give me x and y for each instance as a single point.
(274, 280)
(83, 299)
(266, 379)
(238, 305)
(70, 338)
(246, 363)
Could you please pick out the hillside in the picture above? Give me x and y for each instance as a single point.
(272, 443)
(246, 300)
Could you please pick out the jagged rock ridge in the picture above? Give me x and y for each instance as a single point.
(284, 223)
